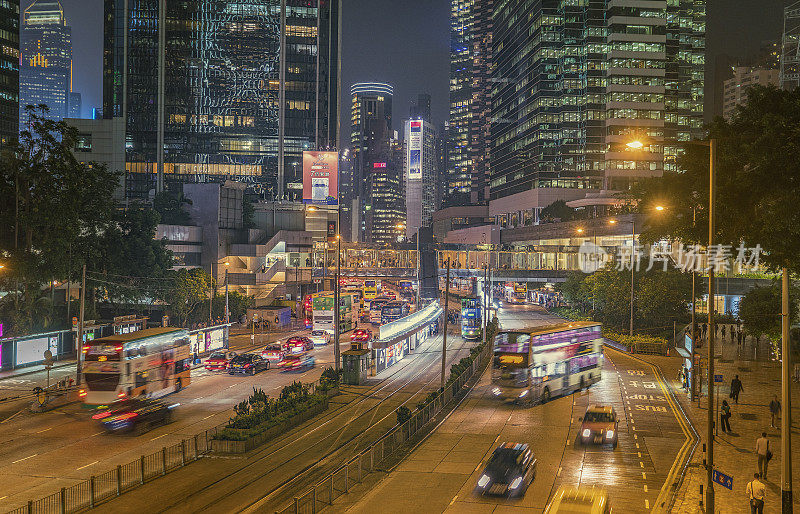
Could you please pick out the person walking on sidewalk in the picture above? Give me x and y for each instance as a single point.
(723, 332)
(756, 491)
(733, 332)
(736, 388)
(764, 454)
(774, 410)
(725, 416)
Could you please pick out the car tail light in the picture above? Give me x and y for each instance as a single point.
(118, 348)
(82, 393)
(247, 365)
(101, 415)
(121, 394)
(127, 415)
(85, 349)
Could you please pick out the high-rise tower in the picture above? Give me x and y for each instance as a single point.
(9, 71)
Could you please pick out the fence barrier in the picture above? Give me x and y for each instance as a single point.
(343, 478)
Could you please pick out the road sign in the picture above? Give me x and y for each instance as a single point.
(722, 479)
(717, 379)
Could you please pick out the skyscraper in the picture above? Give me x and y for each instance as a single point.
(46, 64)
(471, 34)
(420, 174)
(248, 85)
(371, 128)
(9, 71)
(573, 82)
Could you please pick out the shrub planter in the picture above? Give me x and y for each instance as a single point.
(273, 430)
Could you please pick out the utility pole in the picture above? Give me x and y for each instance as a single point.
(444, 336)
(710, 411)
(633, 255)
(693, 372)
(336, 334)
(79, 345)
(786, 400)
(211, 293)
(227, 316)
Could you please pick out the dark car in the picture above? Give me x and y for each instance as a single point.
(134, 415)
(248, 363)
(509, 471)
(298, 344)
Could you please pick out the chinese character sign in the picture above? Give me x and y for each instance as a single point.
(321, 177)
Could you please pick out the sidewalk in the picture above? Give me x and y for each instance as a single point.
(734, 453)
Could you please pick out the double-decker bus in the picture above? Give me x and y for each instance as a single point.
(516, 292)
(539, 363)
(375, 307)
(150, 362)
(370, 289)
(471, 319)
(393, 311)
(406, 285)
(323, 305)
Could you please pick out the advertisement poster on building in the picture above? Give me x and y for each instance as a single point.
(320, 178)
(415, 150)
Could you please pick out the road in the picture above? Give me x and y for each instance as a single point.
(441, 473)
(43, 452)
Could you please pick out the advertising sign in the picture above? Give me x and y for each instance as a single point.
(322, 307)
(415, 150)
(379, 165)
(215, 339)
(321, 178)
(32, 350)
(331, 231)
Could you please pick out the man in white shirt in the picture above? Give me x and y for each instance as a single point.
(762, 447)
(756, 492)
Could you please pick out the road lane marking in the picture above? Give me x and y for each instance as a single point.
(209, 416)
(641, 464)
(559, 472)
(3, 497)
(645, 487)
(26, 458)
(159, 437)
(644, 476)
(86, 466)
(646, 504)
(45, 430)
(639, 454)
(637, 445)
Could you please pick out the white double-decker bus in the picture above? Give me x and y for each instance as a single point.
(151, 362)
(536, 364)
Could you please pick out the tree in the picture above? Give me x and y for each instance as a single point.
(557, 210)
(759, 310)
(51, 207)
(169, 206)
(189, 289)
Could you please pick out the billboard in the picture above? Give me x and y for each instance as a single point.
(321, 178)
(415, 149)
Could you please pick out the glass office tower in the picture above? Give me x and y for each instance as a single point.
(222, 110)
(9, 71)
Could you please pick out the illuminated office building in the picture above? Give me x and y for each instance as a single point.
(226, 112)
(420, 174)
(370, 132)
(9, 70)
(45, 75)
(573, 82)
(468, 135)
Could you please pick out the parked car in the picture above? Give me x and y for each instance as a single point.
(134, 414)
(599, 426)
(219, 361)
(273, 353)
(588, 500)
(297, 361)
(320, 337)
(509, 471)
(247, 363)
(298, 344)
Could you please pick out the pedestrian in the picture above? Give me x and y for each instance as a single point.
(723, 332)
(739, 338)
(736, 388)
(733, 333)
(716, 328)
(756, 492)
(764, 454)
(774, 410)
(725, 416)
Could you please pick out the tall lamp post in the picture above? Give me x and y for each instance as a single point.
(227, 312)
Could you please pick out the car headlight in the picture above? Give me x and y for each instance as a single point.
(523, 394)
(483, 481)
(609, 434)
(586, 432)
(516, 483)
(496, 391)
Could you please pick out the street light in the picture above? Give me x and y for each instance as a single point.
(227, 313)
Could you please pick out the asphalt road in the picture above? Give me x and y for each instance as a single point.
(441, 473)
(46, 451)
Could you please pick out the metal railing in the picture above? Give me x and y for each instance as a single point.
(352, 472)
(114, 482)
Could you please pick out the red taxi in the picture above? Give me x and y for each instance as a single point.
(361, 335)
(273, 353)
(298, 344)
(219, 361)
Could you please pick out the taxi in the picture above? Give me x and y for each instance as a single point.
(599, 426)
(579, 500)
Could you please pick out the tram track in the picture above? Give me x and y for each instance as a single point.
(329, 444)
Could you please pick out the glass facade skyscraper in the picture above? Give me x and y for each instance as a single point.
(45, 75)
(223, 113)
(468, 134)
(574, 80)
(9, 70)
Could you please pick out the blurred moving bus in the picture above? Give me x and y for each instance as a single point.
(471, 319)
(152, 362)
(539, 363)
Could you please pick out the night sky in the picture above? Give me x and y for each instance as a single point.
(407, 45)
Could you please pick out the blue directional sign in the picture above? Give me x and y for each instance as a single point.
(718, 379)
(722, 479)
